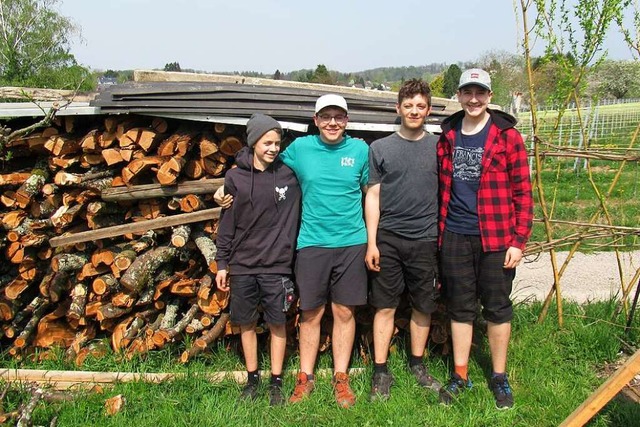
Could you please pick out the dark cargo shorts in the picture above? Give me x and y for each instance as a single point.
(405, 264)
(267, 290)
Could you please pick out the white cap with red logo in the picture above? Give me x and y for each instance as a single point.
(475, 76)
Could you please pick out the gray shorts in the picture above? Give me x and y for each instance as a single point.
(331, 274)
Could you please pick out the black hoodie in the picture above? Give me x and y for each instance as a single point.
(257, 234)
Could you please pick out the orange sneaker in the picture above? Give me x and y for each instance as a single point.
(304, 387)
(344, 395)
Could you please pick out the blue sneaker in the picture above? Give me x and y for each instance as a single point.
(502, 391)
(454, 387)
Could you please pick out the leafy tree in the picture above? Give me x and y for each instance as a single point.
(451, 80)
(172, 66)
(618, 79)
(437, 86)
(277, 75)
(34, 46)
(111, 73)
(322, 75)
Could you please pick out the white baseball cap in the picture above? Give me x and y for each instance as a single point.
(331, 100)
(475, 76)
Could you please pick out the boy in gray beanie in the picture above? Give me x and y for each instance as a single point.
(256, 243)
(258, 125)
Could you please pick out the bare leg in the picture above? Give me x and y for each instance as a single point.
(344, 332)
(499, 335)
(383, 326)
(461, 335)
(278, 347)
(249, 346)
(310, 338)
(419, 328)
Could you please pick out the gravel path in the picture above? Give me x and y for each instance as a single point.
(588, 277)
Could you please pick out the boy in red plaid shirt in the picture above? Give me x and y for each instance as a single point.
(486, 216)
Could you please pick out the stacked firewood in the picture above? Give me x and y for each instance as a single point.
(146, 284)
(108, 230)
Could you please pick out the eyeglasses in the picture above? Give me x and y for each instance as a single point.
(326, 118)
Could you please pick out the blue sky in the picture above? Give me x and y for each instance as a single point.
(255, 35)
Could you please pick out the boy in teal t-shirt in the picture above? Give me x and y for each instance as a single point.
(331, 178)
(333, 171)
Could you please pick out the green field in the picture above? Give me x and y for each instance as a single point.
(552, 371)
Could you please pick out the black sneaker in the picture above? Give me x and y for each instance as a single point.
(276, 398)
(381, 386)
(454, 387)
(249, 391)
(424, 378)
(502, 392)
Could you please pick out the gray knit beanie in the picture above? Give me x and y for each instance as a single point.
(258, 125)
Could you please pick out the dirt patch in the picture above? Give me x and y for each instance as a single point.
(588, 277)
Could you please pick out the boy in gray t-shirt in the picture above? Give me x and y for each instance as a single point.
(401, 213)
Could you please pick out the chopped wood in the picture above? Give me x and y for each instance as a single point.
(169, 171)
(65, 178)
(194, 169)
(31, 326)
(207, 248)
(69, 262)
(159, 124)
(89, 142)
(145, 266)
(105, 284)
(33, 185)
(208, 145)
(80, 339)
(164, 335)
(61, 145)
(191, 203)
(114, 404)
(201, 343)
(78, 301)
(112, 156)
(16, 178)
(231, 145)
(180, 235)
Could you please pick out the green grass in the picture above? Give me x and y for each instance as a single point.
(552, 372)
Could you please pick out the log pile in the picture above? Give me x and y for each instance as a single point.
(108, 229)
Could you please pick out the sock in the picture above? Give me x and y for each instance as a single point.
(276, 379)
(498, 375)
(415, 360)
(253, 377)
(380, 368)
(462, 371)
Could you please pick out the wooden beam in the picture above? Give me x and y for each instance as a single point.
(135, 227)
(63, 380)
(604, 393)
(149, 191)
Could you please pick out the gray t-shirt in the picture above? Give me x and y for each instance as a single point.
(407, 172)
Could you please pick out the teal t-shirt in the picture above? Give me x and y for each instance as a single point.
(331, 178)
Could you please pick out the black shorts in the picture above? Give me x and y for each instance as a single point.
(267, 290)
(405, 263)
(469, 273)
(331, 274)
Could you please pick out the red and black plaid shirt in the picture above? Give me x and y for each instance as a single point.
(505, 201)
